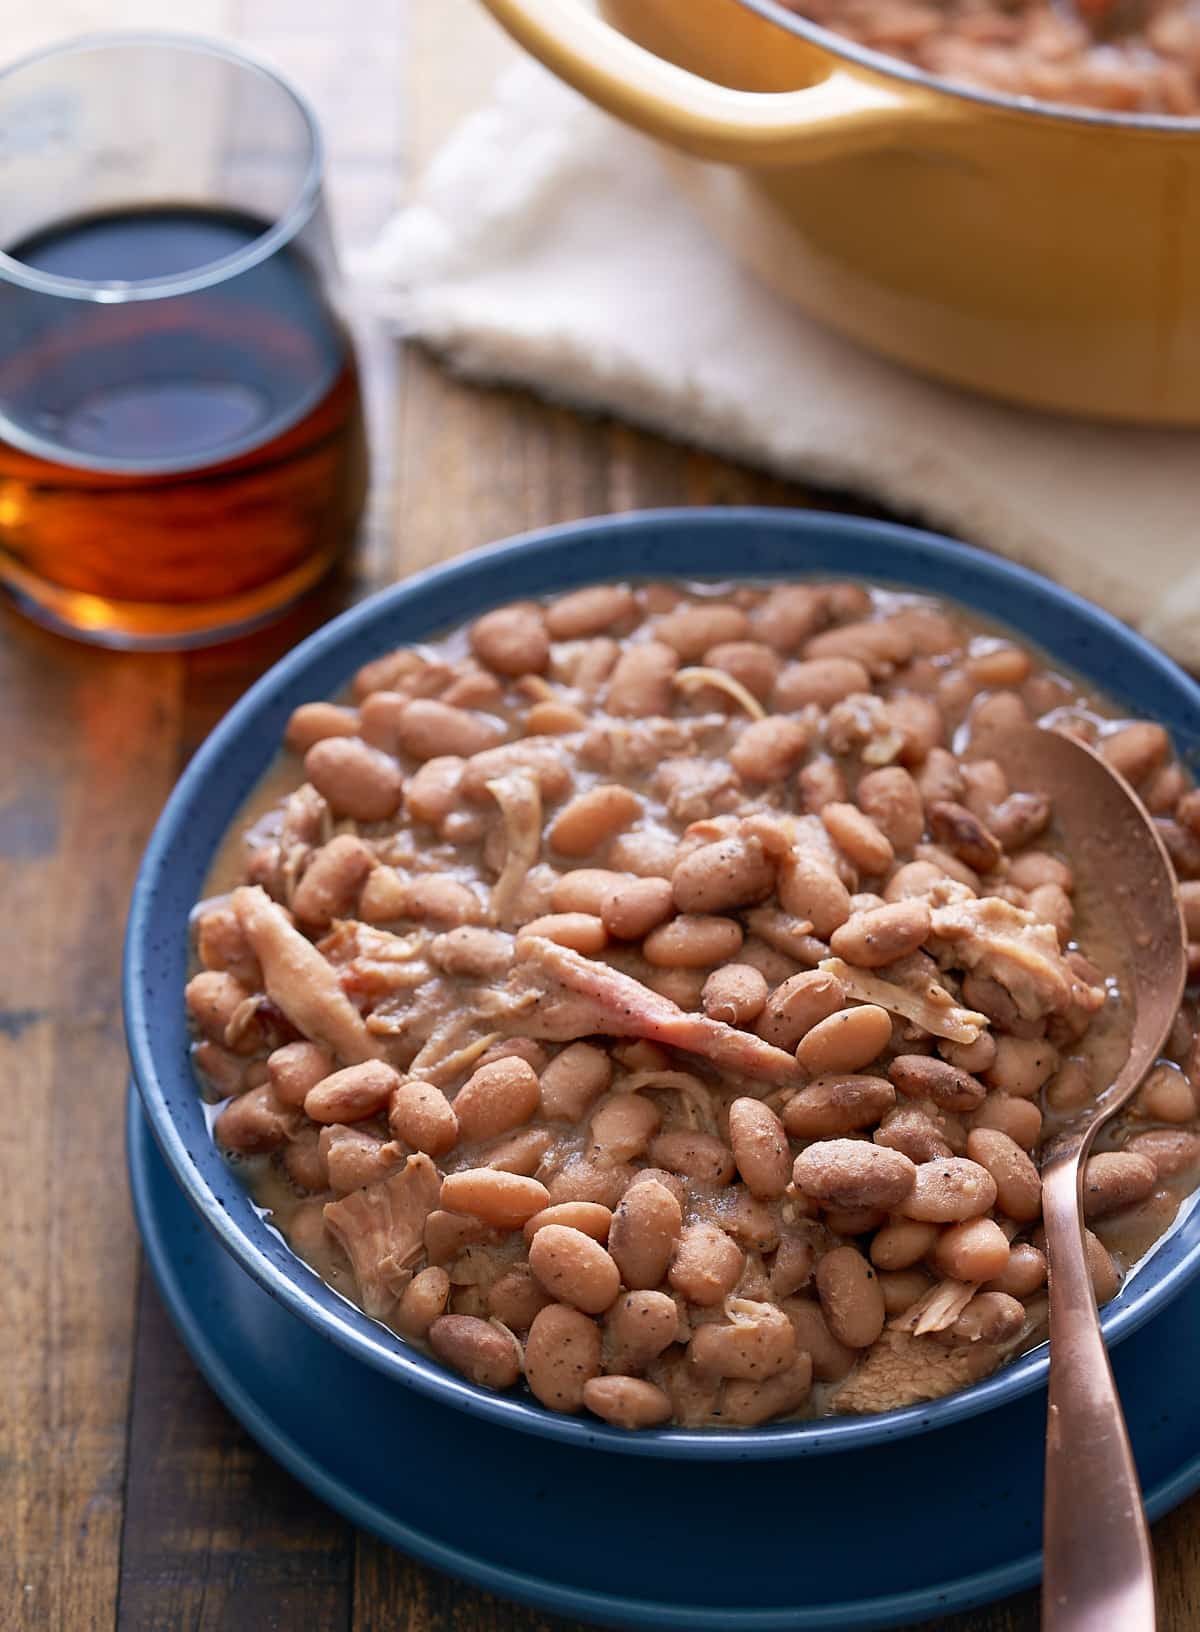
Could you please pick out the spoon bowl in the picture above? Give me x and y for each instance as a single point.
(1098, 1569)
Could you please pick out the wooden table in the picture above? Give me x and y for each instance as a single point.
(128, 1497)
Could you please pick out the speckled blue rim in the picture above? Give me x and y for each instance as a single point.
(740, 543)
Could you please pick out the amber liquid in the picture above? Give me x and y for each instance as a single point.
(175, 468)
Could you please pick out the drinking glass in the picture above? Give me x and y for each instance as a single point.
(182, 450)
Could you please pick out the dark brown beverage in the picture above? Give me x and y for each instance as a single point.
(182, 461)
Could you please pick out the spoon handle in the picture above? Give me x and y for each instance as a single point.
(1098, 1571)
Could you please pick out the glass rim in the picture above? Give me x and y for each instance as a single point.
(291, 219)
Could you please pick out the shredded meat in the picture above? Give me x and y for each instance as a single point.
(557, 995)
(381, 1229)
(300, 981)
(899, 1369)
(520, 801)
(1010, 946)
(933, 1009)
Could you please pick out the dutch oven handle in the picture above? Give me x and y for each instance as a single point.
(842, 112)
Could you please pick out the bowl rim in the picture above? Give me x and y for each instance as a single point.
(879, 62)
(377, 1345)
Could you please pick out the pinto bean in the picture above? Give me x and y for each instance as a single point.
(592, 818)
(819, 681)
(621, 1128)
(1167, 1096)
(1018, 1184)
(693, 630)
(1106, 1277)
(1022, 817)
(586, 1216)
(573, 1081)
(760, 1148)
(497, 1097)
(579, 930)
(910, 1130)
(626, 1402)
(541, 757)
(693, 941)
(922, 1076)
(820, 783)
(1114, 1179)
(420, 1115)
(635, 906)
(751, 664)
(769, 750)
(851, 1297)
(891, 799)
(788, 614)
(332, 880)
(902, 1243)
(585, 889)
(221, 945)
(799, 1004)
(254, 1123)
(574, 1268)
(1171, 1150)
(831, 1359)
(733, 872)
(901, 1288)
(973, 1057)
(882, 935)
(641, 682)
(706, 1264)
(949, 1191)
(836, 1105)
(357, 780)
(940, 777)
(735, 994)
(1023, 1275)
(808, 888)
(845, 1041)
(975, 1250)
(645, 1229)
(961, 832)
(353, 1157)
(638, 1327)
(853, 1173)
(352, 1094)
(858, 838)
(422, 1301)
(1136, 750)
(503, 1200)
(213, 997)
(521, 1153)
(512, 640)
(1020, 1119)
(591, 611)
(296, 1068)
(516, 1297)
(758, 1343)
(562, 1355)
(697, 1155)
(1022, 1065)
(484, 1353)
(431, 793)
(477, 953)
(313, 722)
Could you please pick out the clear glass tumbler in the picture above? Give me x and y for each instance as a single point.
(182, 449)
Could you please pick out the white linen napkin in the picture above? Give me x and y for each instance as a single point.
(547, 246)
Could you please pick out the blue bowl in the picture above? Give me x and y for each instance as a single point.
(671, 543)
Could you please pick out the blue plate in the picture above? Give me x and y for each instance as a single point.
(695, 543)
(872, 1538)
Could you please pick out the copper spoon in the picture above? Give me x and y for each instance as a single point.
(1098, 1572)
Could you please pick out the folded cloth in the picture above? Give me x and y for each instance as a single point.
(547, 245)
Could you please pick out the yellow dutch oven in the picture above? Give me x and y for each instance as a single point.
(1044, 255)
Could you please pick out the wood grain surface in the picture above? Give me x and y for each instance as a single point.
(129, 1498)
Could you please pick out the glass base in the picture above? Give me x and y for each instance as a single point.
(141, 626)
